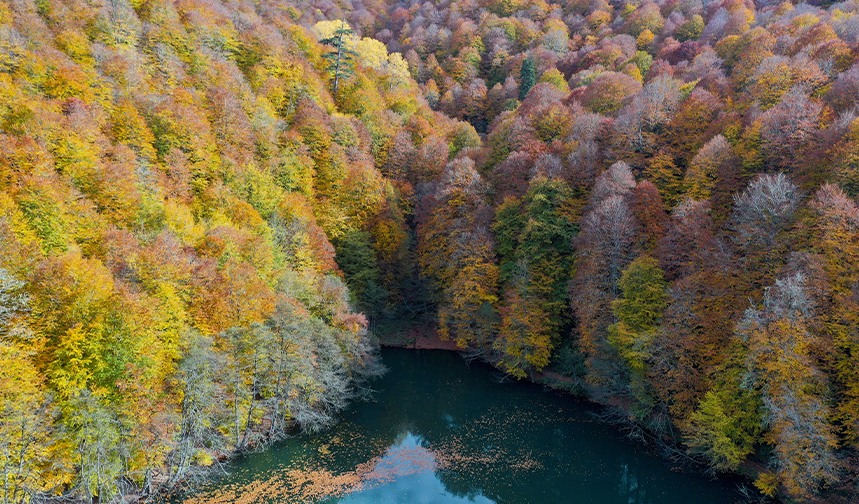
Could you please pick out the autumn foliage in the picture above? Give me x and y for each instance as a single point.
(207, 207)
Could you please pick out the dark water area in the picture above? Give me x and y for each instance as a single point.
(443, 432)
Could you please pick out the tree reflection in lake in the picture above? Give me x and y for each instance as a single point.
(442, 432)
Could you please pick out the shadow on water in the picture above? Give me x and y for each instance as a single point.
(439, 431)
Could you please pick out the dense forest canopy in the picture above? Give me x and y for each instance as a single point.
(207, 208)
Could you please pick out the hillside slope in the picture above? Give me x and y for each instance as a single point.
(203, 209)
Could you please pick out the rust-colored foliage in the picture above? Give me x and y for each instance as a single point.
(178, 184)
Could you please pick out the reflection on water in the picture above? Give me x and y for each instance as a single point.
(629, 488)
(409, 460)
(444, 433)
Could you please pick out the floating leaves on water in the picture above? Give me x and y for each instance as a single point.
(296, 484)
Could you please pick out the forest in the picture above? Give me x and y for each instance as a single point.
(210, 210)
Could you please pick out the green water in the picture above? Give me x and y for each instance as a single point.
(442, 432)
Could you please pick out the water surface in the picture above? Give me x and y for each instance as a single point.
(442, 432)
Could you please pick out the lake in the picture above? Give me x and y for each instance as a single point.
(443, 432)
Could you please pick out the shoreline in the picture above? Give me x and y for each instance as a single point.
(419, 338)
(427, 338)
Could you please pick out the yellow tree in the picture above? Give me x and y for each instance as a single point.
(524, 339)
(836, 232)
(458, 255)
(26, 412)
(26, 429)
(781, 365)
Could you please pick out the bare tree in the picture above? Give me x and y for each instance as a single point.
(789, 130)
(605, 246)
(647, 115)
(765, 209)
(200, 404)
(616, 181)
(13, 301)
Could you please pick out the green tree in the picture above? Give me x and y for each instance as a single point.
(545, 243)
(527, 78)
(96, 435)
(726, 426)
(341, 61)
(509, 220)
(638, 313)
(535, 248)
(691, 29)
(357, 261)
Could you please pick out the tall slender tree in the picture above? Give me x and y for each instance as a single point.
(638, 315)
(341, 60)
(527, 78)
(457, 253)
(781, 337)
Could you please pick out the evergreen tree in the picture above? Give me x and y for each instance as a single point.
(527, 78)
(341, 61)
